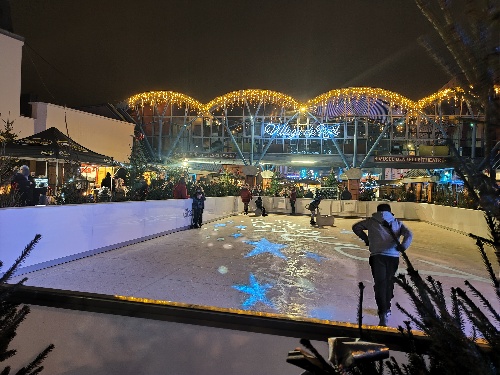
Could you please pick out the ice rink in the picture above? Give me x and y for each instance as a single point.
(277, 264)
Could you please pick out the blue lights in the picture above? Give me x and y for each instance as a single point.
(264, 246)
(256, 291)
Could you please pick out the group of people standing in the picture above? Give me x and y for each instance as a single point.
(23, 186)
(247, 196)
(24, 190)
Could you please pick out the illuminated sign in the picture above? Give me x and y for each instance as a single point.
(408, 159)
(317, 131)
(213, 155)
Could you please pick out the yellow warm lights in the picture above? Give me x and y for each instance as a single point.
(446, 94)
(256, 97)
(253, 96)
(356, 92)
(161, 97)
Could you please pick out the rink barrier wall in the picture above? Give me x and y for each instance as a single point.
(72, 232)
(94, 333)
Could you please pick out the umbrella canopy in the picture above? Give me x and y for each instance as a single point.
(53, 144)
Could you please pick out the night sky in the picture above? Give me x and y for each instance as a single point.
(80, 53)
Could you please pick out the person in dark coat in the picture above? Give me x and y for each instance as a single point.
(346, 194)
(21, 185)
(410, 196)
(107, 181)
(260, 206)
(180, 189)
(314, 208)
(198, 207)
(293, 199)
(246, 197)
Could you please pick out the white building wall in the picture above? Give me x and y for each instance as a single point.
(11, 49)
(100, 134)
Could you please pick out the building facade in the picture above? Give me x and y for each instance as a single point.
(353, 127)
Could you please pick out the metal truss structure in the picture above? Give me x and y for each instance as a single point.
(350, 127)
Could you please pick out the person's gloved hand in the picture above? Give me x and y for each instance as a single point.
(400, 248)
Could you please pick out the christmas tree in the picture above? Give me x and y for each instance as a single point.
(12, 314)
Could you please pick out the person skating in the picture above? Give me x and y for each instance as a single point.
(314, 208)
(384, 253)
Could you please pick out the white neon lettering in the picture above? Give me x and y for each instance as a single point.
(318, 131)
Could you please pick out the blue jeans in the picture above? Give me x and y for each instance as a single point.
(384, 269)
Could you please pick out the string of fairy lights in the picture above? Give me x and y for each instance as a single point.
(257, 97)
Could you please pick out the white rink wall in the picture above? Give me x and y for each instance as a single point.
(74, 231)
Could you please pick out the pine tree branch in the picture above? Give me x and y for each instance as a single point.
(32, 368)
(457, 316)
(361, 288)
(480, 320)
(484, 301)
(27, 250)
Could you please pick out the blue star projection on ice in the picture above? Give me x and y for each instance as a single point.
(219, 225)
(264, 246)
(257, 293)
(236, 235)
(314, 256)
(241, 227)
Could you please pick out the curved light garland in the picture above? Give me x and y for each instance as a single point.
(161, 97)
(446, 94)
(356, 92)
(237, 98)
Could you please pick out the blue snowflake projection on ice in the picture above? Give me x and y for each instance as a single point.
(256, 291)
(219, 225)
(236, 235)
(315, 256)
(242, 227)
(264, 246)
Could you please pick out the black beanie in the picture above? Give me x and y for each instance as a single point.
(383, 207)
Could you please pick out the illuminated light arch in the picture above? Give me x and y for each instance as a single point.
(454, 93)
(356, 92)
(237, 98)
(374, 103)
(392, 97)
(152, 98)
